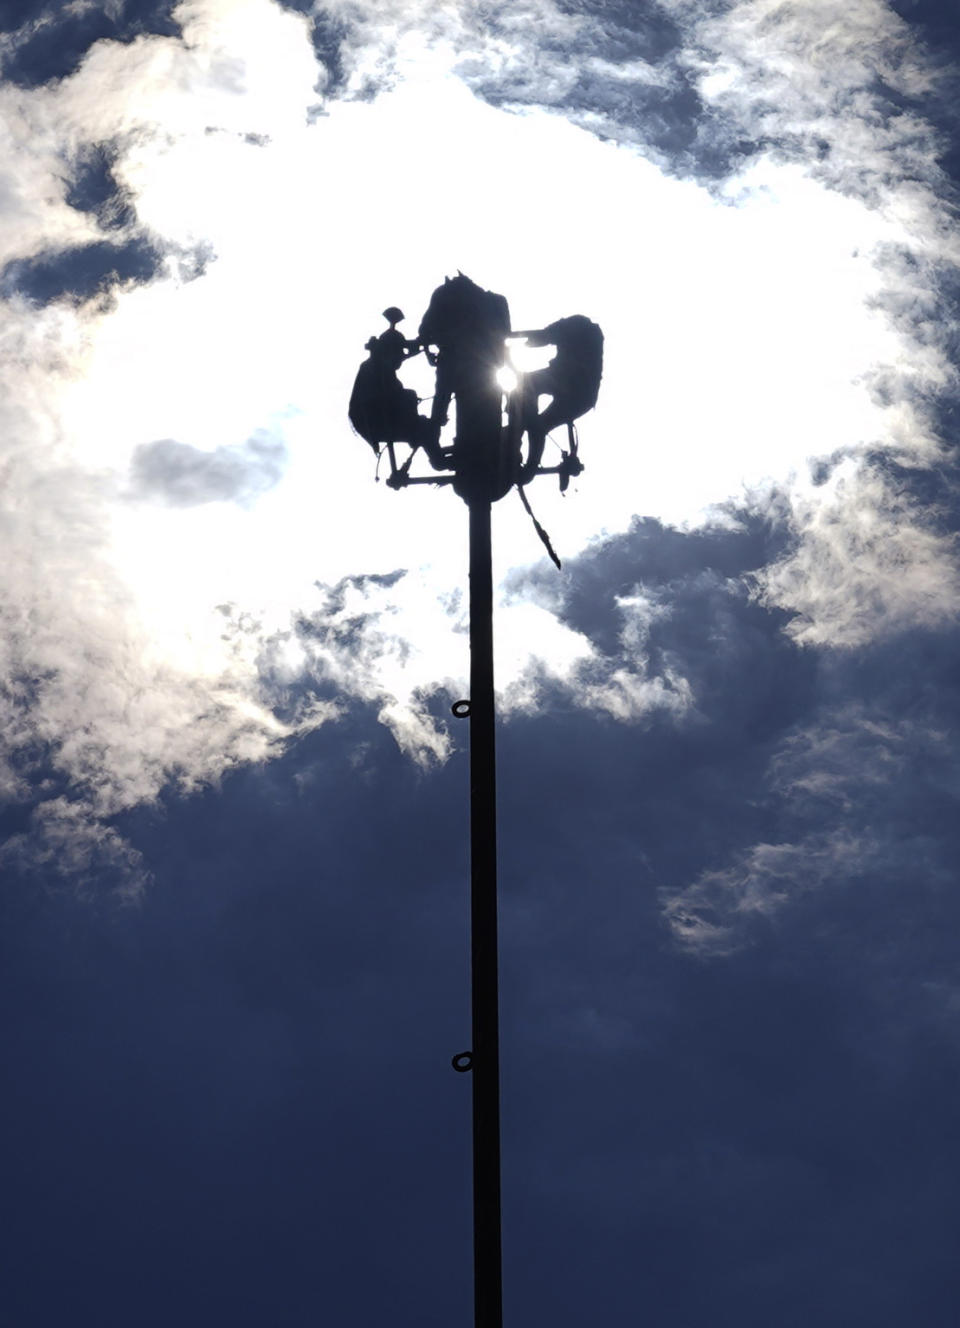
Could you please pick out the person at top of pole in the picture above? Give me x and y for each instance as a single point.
(571, 380)
(381, 409)
(469, 326)
(394, 345)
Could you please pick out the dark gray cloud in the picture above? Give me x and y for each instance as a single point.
(49, 41)
(695, 1127)
(630, 32)
(328, 33)
(92, 187)
(623, 76)
(641, 74)
(83, 271)
(934, 23)
(181, 475)
(837, 766)
(696, 615)
(772, 1083)
(771, 1134)
(126, 256)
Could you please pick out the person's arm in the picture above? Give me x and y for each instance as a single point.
(537, 337)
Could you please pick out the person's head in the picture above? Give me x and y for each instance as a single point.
(393, 315)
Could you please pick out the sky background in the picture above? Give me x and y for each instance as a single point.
(235, 821)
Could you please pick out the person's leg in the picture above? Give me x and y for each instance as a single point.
(536, 384)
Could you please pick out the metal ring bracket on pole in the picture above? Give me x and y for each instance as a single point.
(462, 1062)
(461, 709)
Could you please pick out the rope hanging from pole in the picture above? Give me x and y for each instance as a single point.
(538, 528)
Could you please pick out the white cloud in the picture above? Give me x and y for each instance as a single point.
(749, 326)
(867, 563)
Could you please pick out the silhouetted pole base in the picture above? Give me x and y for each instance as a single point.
(487, 1292)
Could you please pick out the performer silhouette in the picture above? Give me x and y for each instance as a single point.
(571, 379)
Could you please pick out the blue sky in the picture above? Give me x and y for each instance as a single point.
(234, 801)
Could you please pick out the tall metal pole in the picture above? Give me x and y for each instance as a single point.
(488, 1280)
(470, 328)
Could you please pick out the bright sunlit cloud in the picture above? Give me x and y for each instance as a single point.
(751, 325)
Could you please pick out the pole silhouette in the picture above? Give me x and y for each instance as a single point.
(488, 1275)
(463, 334)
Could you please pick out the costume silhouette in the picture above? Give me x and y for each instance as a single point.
(395, 345)
(468, 325)
(571, 379)
(381, 409)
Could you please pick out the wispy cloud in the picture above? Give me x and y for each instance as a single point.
(66, 843)
(868, 560)
(847, 791)
(718, 912)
